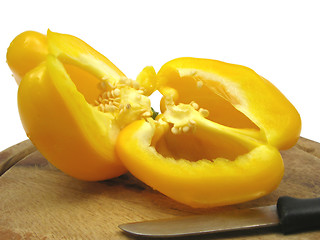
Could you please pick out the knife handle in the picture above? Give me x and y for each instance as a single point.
(298, 215)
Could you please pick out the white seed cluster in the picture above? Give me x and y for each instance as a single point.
(110, 99)
(130, 83)
(202, 111)
(122, 82)
(190, 126)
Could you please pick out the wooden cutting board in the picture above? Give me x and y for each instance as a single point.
(37, 201)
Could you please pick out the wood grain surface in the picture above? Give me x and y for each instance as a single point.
(37, 201)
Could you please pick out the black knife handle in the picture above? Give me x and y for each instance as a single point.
(297, 215)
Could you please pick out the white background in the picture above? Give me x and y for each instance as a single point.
(278, 39)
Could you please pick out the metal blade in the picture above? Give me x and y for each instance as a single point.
(242, 219)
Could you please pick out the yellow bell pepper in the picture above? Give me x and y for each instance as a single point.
(73, 102)
(216, 142)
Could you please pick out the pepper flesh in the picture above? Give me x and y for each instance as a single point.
(216, 142)
(73, 105)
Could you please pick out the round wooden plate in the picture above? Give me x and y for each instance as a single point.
(37, 201)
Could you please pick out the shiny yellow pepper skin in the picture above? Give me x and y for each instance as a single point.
(216, 142)
(25, 52)
(61, 101)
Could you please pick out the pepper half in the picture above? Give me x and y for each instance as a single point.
(216, 142)
(74, 103)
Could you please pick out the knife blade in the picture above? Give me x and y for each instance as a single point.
(290, 214)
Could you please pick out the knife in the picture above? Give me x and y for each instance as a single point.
(290, 214)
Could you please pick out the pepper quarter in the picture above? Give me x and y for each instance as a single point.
(74, 103)
(216, 142)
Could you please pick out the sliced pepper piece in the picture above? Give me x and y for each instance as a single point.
(235, 96)
(73, 105)
(206, 168)
(216, 142)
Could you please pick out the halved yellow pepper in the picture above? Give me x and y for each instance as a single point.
(74, 103)
(235, 95)
(216, 142)
(197, 182)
